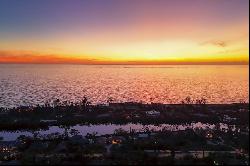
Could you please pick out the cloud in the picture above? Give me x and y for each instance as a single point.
(218, 43)
(35, 57)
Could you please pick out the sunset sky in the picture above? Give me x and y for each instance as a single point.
(124, 31)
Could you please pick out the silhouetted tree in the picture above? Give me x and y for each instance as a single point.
(56, 103)
(74, 132)
(120, 131)
(110, 100)
(65, 133)
(84, 103)
(188, 100)
(35, 135)
(91, 136)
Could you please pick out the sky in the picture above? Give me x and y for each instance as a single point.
(124, 31)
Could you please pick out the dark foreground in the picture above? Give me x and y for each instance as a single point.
(191, 146)
(122, 113)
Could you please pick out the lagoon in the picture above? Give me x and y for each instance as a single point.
(104, 129)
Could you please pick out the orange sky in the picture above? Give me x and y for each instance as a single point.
(155, 32)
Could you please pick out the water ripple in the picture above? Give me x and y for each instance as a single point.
(35, 84)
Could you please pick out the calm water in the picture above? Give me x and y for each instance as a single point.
(34, 84)
(110, 128)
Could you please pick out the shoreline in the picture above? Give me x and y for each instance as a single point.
(77, 103)
(122, 113)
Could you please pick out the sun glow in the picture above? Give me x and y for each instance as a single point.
(139, 33)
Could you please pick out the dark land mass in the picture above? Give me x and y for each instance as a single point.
(122, 113)
(191, 146)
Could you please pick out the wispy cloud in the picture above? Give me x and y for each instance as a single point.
(218, 43)
(36, 57)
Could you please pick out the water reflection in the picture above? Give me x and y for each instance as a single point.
(110, 128)
(34, 84)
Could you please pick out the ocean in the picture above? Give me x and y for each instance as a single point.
(31, 84)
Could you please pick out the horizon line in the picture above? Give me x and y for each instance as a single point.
(132, 63)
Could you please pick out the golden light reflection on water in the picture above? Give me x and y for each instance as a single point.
(33, 84)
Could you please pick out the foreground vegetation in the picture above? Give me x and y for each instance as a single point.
(200, 146)
(191, 146)
(68, 113)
